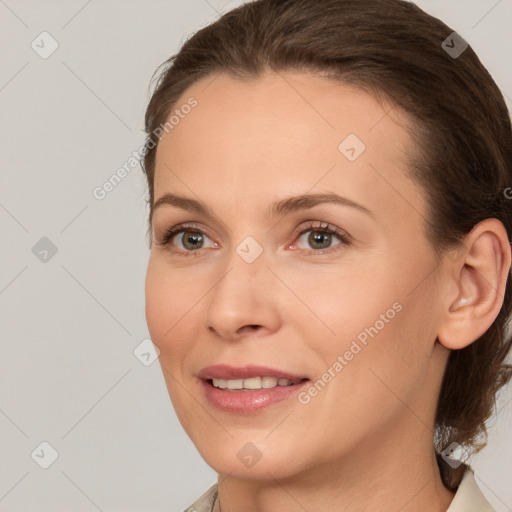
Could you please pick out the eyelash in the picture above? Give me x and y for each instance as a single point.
(327, 228)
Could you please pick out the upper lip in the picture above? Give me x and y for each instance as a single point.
(227, 372)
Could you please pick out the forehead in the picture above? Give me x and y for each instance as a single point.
(283, 134)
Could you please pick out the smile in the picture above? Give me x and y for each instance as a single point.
(252, 383)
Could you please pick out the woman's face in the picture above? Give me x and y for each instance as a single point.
(255, 280)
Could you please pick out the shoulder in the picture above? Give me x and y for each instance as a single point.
(469, 497)
(205, 502)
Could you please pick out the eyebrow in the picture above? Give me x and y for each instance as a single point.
(278, 209)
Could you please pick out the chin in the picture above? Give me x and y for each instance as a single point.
(250, 456)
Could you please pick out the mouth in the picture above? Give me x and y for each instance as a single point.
(248, 389)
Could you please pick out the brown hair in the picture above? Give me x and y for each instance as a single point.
(462, 134)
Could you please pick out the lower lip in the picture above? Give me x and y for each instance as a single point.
(250, 400)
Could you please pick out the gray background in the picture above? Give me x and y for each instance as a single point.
(70, 324)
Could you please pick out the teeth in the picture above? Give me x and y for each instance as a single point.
(235, 384)
(252, 383)
(269, 382)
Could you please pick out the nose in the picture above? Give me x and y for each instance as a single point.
(244, 302)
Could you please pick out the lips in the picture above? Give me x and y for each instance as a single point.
(227, 372)
(224, 387)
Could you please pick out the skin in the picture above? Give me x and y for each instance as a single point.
(365, 442)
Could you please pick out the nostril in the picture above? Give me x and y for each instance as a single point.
(251, 327)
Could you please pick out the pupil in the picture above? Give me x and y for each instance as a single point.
(194, 238)
(319, 237)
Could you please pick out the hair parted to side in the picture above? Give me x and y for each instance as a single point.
(462, 134)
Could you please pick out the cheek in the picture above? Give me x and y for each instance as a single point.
(173, 311)
(166, 302)
(350, 303)
(375, 325)
(156, 301)
(165, 311)
(165, 293)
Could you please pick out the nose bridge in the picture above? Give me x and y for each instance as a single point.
(240, 296)
(244, 277)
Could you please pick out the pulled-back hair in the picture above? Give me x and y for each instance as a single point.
(462, 135)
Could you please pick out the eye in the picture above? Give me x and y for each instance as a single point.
(321, 237)
(190, 238)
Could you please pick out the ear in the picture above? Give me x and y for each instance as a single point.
(477, 274)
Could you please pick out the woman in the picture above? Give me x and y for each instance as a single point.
(329, 275)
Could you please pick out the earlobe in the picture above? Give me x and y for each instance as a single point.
(479, 276)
